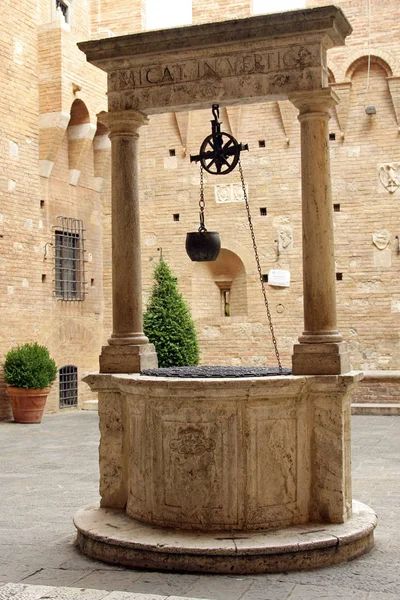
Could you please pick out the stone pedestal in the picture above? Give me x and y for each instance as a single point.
(223, 455)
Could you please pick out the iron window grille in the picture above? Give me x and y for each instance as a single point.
(68, 385)
(69, 262)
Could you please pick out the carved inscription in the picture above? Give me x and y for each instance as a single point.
(296, 57)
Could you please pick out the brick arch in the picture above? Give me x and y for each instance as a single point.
(213, 279)
(79, 113)
(80, 133)
(378, 57)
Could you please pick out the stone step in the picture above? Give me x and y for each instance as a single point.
(375, 408)
(20, 591)
(90, 405)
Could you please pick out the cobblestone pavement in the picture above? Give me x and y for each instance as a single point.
(48, 471)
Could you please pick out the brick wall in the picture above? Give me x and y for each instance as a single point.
(379, 387)
(43, 72)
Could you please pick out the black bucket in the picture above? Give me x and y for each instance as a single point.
(203, 246)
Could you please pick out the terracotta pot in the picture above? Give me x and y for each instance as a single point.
(27, 405)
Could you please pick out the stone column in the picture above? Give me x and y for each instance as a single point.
(321, 350)
(128, 350)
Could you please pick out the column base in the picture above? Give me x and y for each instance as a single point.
(320, 359)
(127, 358)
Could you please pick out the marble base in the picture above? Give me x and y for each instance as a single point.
(127, 358)
(320, 359)
(113, 537)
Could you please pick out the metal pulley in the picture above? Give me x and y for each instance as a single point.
(220, 152)
(219, 155)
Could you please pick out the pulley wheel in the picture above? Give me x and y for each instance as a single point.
(221, 158)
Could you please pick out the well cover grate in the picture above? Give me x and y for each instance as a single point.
(210, 372)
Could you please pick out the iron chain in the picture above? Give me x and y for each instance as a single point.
(202, 202)
(253, 237)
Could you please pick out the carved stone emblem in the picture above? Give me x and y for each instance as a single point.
(225, 193)
(285, 239)
(381, 239)
(389, 175)
(192, 442)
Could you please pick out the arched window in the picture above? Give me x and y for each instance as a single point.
(223, 283)
(68, 386)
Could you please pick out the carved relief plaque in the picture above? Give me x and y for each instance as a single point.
(225, 193)
(389, 176)
(194, 458)
(285, 239)
(381, 239)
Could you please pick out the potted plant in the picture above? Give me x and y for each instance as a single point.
(29, 372)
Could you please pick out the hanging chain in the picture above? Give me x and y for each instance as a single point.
(253, 237)
(202, 202)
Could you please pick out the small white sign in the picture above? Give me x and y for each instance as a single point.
(279, 278)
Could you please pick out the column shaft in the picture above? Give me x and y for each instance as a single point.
(321, 349)
(318, 247)
(126, 251)
(128, 350)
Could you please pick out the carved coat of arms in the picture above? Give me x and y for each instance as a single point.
(389, 175)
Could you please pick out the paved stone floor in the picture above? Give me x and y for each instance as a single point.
(48, 471)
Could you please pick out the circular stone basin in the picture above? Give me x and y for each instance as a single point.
(215, 371)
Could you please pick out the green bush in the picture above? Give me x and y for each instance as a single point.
(168, 323)
(29, 366)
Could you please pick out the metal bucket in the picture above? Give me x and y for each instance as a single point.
(203, 245)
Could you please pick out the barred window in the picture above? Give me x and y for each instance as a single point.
(64, 7)
(68, 382)
(69, 263)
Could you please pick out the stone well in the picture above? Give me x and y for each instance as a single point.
(234, 476)
(248, 475)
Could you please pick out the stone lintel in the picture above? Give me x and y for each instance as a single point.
(321, 359)
(128, 358)
(243, 61)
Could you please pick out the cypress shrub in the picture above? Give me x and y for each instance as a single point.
(168, 322)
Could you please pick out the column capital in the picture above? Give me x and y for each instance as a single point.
(315, 101)
(123, 122)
